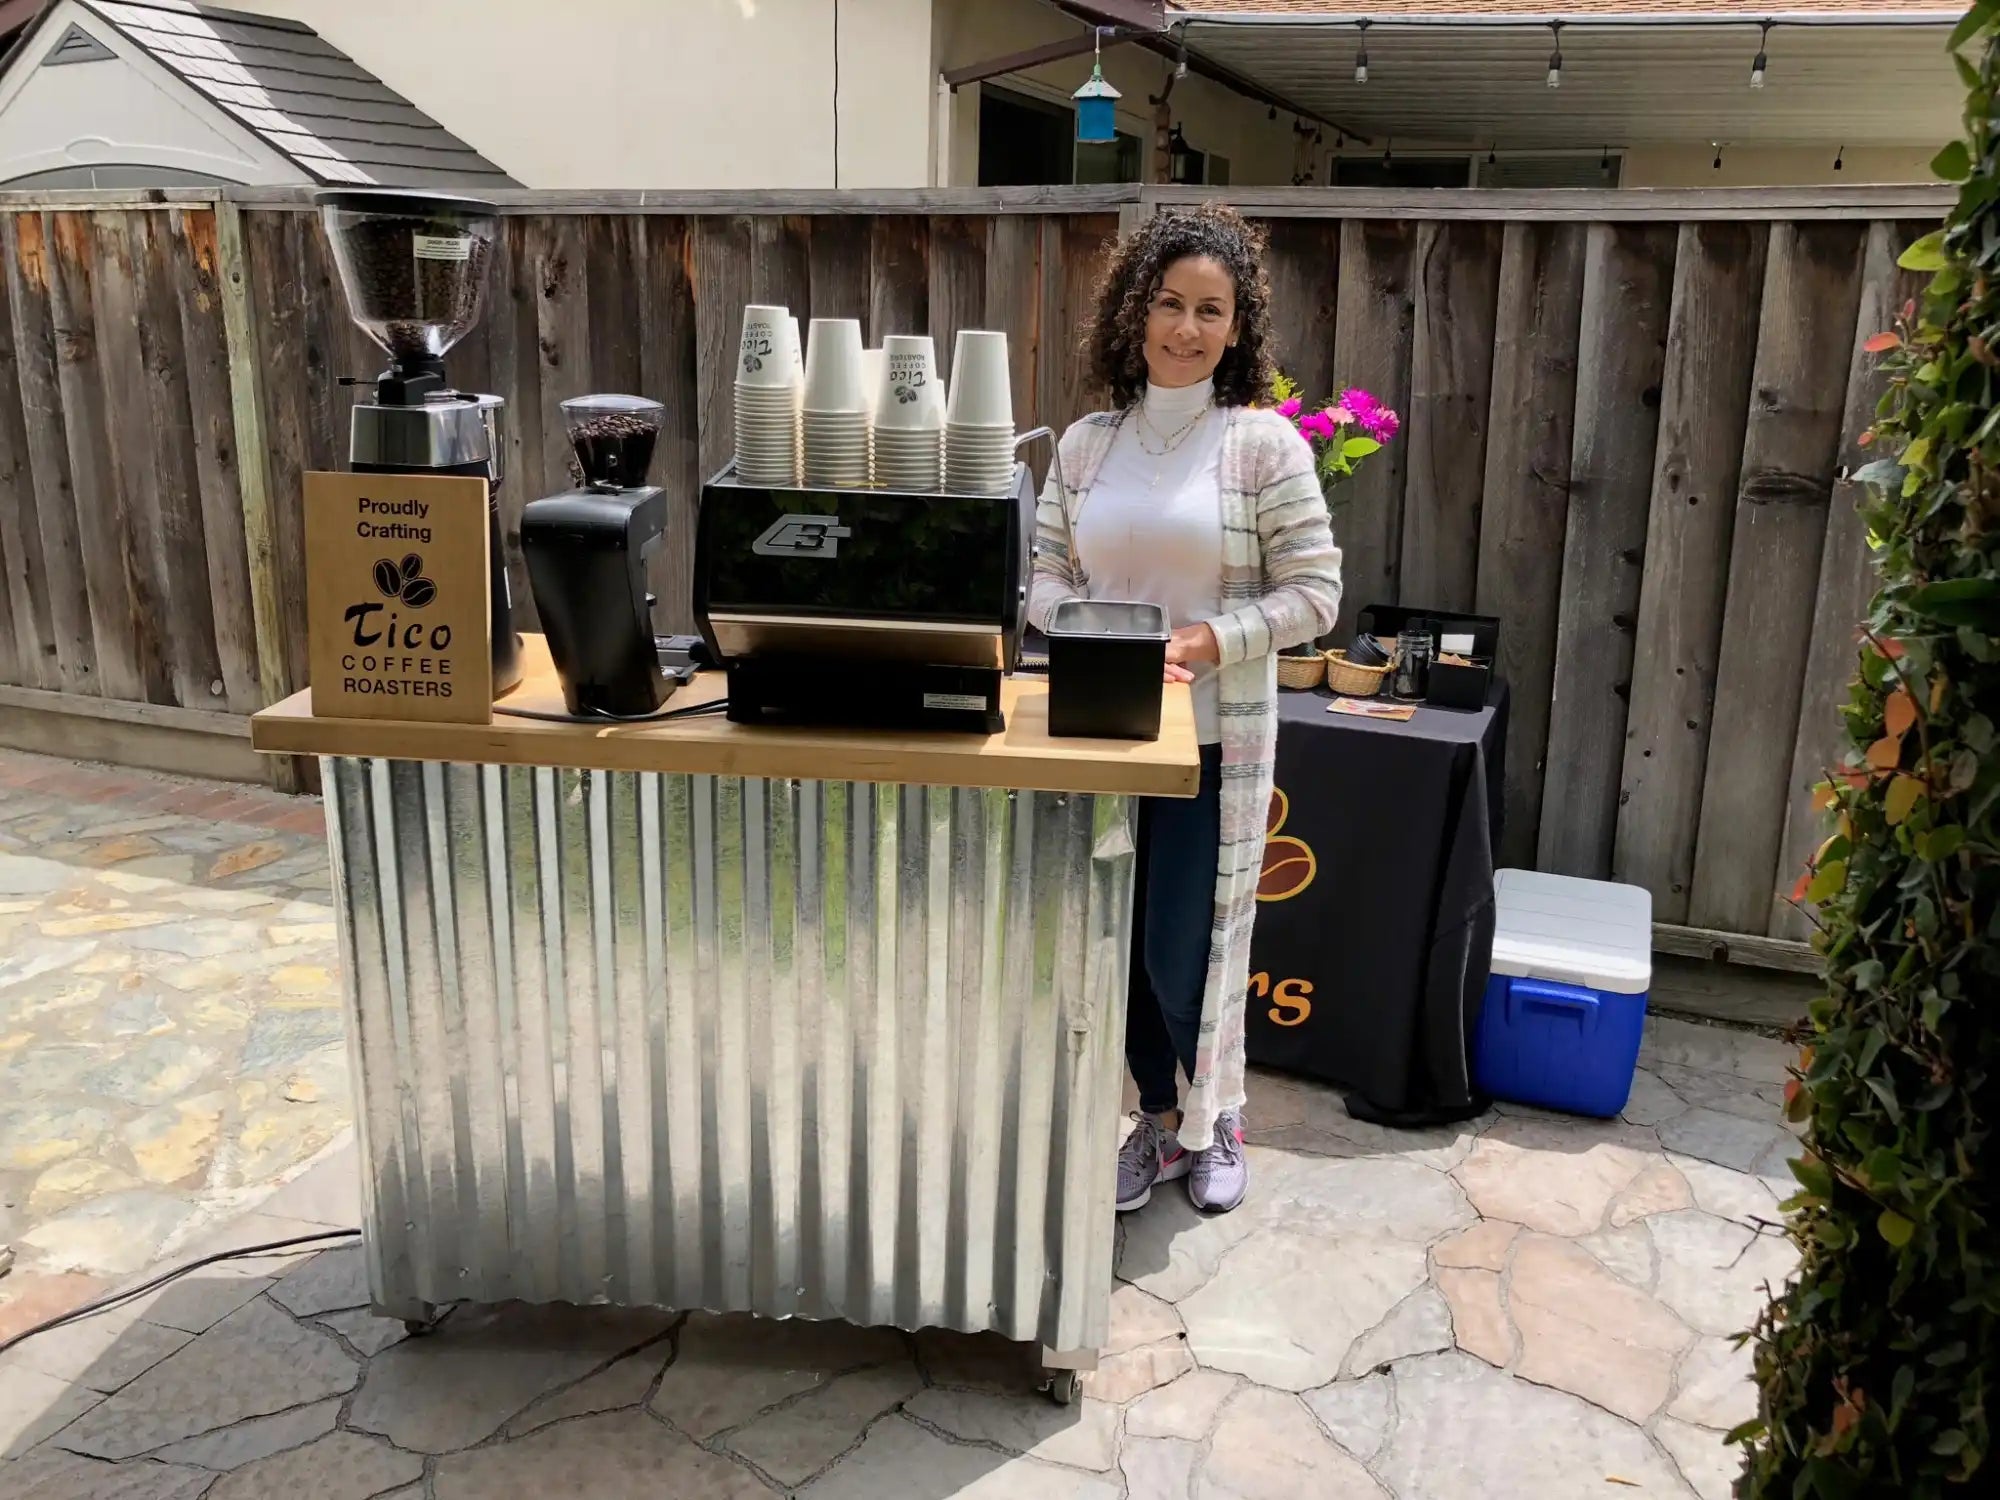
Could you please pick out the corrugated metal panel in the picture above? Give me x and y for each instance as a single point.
(797, 1048)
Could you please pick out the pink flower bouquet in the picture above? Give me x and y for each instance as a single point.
(1344, 432)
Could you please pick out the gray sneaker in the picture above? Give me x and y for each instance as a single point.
(1221, 1176)
(1151, 1153)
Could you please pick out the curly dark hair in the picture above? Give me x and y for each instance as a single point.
(1117, 335)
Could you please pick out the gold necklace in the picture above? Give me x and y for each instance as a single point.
(1168, 441)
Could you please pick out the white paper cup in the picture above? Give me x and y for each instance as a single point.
(873, 362)
(910, 394)
(982, 391)
(835, 381)
(763, 356)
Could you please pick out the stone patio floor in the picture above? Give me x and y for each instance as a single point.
(1525, 1306)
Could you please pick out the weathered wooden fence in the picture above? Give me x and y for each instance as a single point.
(1625, 418)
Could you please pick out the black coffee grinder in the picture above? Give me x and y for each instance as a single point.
(587, 549)
(413, 266)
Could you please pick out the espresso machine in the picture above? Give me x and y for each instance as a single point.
(587, 550)
(413, 266)
(874, 608)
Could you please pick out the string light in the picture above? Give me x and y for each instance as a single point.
(1838, 162)
(1361, 57)
(1556, 57)
(1180, 62)
(1492, 156)
(1387, 148)
(1604, 162)
(1717, 163)
(1763, 61)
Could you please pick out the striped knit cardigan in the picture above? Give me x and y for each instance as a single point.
(1280, 587)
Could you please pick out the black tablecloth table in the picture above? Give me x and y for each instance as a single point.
(1375, 918)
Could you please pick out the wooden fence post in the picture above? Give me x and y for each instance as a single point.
(246, 400)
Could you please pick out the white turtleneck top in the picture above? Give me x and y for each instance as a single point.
(1150, 529)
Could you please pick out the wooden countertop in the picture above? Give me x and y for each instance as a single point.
(1023, 755)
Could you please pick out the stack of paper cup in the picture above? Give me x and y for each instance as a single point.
(909, 416)
(979, 417)
(836, 405)
(767, 398)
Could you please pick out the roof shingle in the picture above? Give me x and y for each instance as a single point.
(301, 95)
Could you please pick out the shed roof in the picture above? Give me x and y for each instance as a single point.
(303, 96)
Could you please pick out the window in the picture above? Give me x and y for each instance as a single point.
(1108, 161)
(1024, 141)
(1401, 171)
(1570, 170)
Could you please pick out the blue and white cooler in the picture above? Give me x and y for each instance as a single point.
(1566, 1004)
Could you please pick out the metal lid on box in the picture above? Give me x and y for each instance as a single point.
(1565, 930)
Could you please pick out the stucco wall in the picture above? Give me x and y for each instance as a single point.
(658, 93)
(1693, 166)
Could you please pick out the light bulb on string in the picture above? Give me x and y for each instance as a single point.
(1388, 148)
(1361, 56)
(1493, 156)
(1762, 62)
(1839, 163)
(1717, 163)
(1556, 57)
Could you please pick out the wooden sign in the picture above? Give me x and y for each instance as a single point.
(398, 616)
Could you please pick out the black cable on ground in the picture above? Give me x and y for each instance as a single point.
(105, 1304)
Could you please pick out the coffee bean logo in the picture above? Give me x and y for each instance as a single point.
(1289, 864)
(405, 581)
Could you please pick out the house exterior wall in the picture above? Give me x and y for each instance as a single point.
(1694, 166)
(658, 93)
(1212, 117)
(125, 110)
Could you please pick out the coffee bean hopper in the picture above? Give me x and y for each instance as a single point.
(876, 608)
(413, 267)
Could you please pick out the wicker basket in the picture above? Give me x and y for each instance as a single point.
(1301, 671)
(1353, 679)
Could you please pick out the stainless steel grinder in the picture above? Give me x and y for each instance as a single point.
(414, 266)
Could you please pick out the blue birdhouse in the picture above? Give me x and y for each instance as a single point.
(1096, 108)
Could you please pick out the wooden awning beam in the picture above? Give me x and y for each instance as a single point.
(1034, 57)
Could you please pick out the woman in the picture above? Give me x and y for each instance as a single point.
(1186, 495)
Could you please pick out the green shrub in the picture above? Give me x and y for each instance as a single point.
(1878, 1366)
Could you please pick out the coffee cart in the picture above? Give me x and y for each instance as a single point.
(803, 1022)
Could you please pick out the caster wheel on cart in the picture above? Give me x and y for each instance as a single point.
(1061, 1386)
(417, 1328)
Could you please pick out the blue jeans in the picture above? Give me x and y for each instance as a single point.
(1173, 908)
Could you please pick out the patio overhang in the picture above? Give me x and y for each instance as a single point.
(1478, 79)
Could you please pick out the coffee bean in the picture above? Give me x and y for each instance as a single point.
(414, 306)
(388, 579)
(412, 566)
(614, 447)
(418, 592)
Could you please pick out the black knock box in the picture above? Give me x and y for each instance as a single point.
(1107, 660)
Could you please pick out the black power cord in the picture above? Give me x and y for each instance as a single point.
(117, 1299)
(713, 706)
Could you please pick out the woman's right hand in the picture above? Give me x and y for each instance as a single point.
(1178, 673)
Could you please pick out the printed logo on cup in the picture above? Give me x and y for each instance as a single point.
(908, 375)
(397, 597)
(757, 347)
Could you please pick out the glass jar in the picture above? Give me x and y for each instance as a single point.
(1413, 655)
